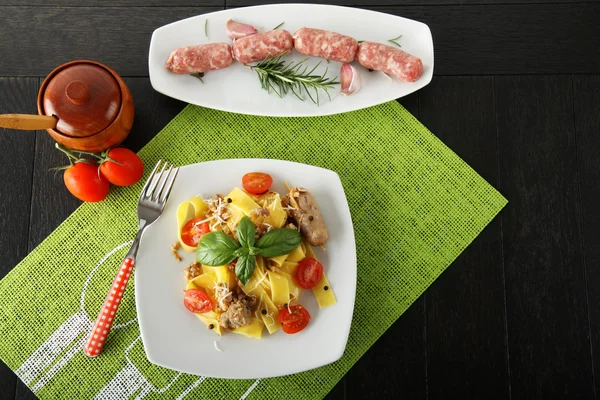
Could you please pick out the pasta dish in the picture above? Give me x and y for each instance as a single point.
(254, 257)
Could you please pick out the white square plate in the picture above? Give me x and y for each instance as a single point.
(175, 338)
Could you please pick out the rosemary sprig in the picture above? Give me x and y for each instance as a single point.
(278, 26)
(394, 41)
(283, 77)
(206, 28)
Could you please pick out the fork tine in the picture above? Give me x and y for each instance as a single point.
(167, 191)
(149, 179)
(161, 184)
(155, 180)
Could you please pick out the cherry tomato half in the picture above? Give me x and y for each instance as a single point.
(293, 318)
(126, 169)
(197, 301)
(192, 231)
(256, 182)
(309, 273)
(85, 183)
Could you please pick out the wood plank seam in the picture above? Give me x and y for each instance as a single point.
(502, 243)
(432, 4)
(117, 6)
(19, 384)
(581, 231)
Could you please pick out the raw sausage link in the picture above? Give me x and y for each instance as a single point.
(392, 61)
(325, 44)
(259, 46)
(309, 218)
(202, 58)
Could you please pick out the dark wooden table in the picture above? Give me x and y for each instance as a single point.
(516, 93)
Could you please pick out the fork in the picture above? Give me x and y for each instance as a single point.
(151, 204)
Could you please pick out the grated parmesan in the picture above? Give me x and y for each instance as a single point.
(259, 282)
(221, 208)
(269, 226)
(221, 293)
(294, 296)
(217, 346)
(204, 220)
(272, 319)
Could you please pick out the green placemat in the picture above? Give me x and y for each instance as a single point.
(415, 207)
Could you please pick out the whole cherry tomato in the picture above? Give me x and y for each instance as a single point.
(123, 167)
(84, 182)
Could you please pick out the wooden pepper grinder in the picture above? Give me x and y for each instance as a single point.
(84, 105)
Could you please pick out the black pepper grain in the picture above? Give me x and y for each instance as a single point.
(229, 200)
(264, 312)
(285, 305)
(310, 217)
(211, 326)
(325, 287)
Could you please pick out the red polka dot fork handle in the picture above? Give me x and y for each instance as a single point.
(151, 204)
(105, 319)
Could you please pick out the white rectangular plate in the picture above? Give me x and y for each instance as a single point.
(175, 338)
(237, 89)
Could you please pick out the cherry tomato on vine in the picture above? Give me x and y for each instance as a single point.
(122, 167)
(84, 182)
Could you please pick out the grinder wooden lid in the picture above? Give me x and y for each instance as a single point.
(85, 98)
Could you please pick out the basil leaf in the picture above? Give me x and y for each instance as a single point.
(278, 242)
(242, 251)
(254, 251)
(246, 232)
(244, 268)
(216, 249)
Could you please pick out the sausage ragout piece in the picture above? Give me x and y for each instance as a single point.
(262, 212)
(306, 213)
(219, 213)
(174, 247)
(192, 271)
(239, 310)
